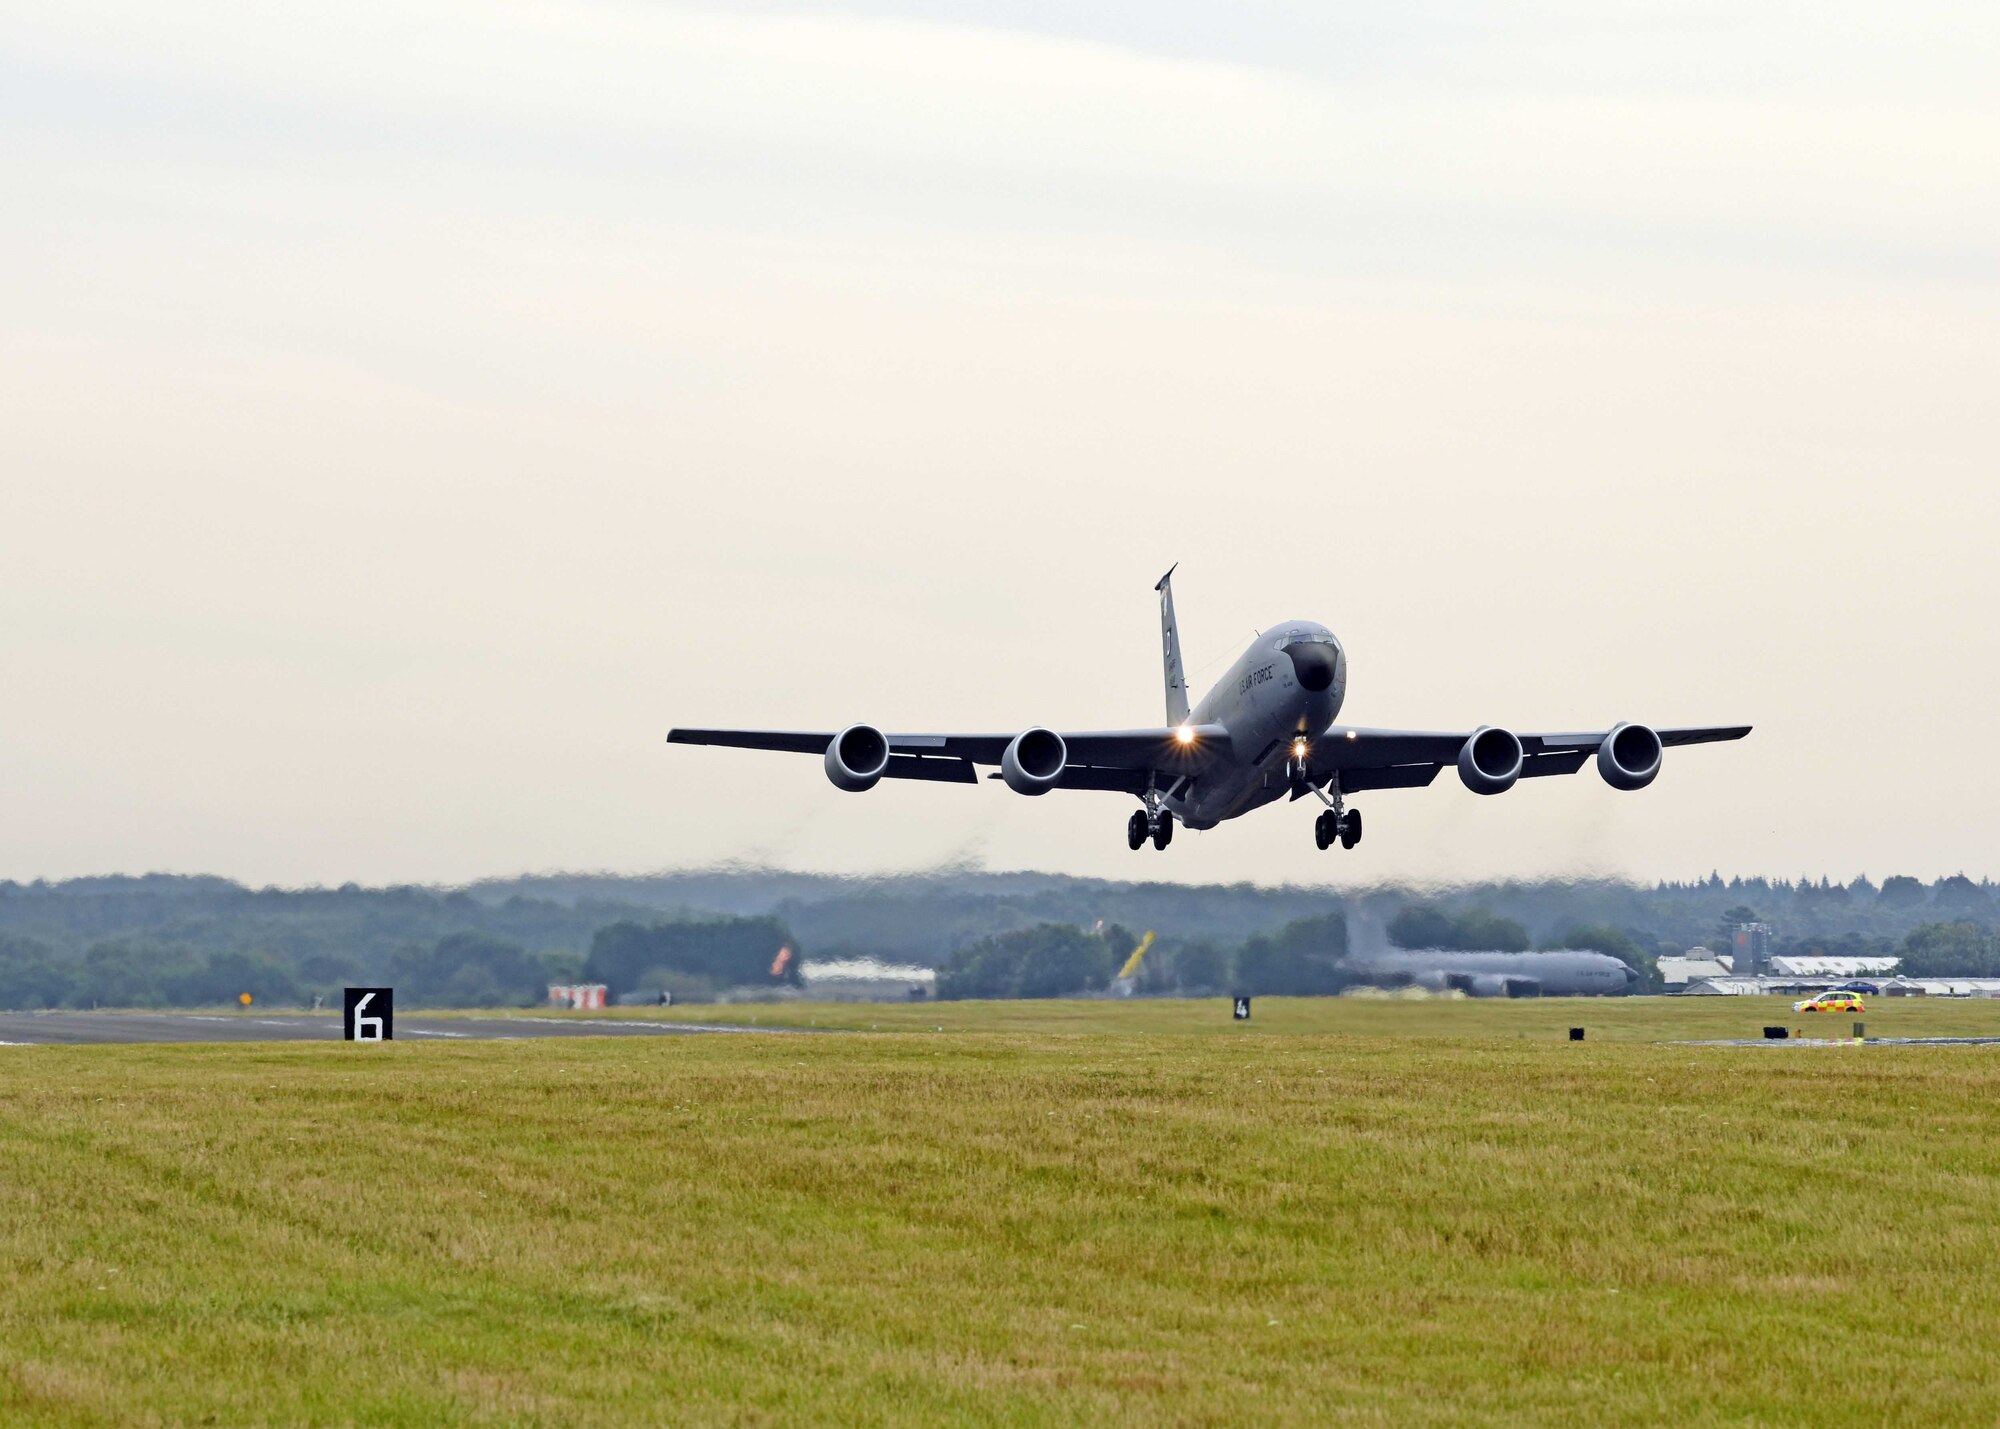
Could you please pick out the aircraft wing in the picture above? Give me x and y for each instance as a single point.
(1410, 759)
(1098, 759)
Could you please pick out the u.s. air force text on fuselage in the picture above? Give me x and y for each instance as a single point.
(1265, 731)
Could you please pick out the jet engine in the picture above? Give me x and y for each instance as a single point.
(1493, 985)
(1629, 758)
(1034, 761)
(1490, 761)
(857, 758)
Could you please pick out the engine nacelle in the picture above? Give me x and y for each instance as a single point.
(1490, 761)
(1493, 985)
(1034, 761)
(857, 758)
(1630, 756)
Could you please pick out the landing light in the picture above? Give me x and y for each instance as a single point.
(1185, 734)
(1298, 749)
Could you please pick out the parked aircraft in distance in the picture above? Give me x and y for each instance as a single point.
(1265, 731)
(1564, 972)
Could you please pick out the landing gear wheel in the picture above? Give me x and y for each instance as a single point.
(1325, 828)
(1350, 828)
(1163, 831)
(1136, 829)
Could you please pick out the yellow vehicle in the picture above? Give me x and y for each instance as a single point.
(1831, 1002)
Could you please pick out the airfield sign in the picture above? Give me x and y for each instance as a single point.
(369, 1014)
(1242, 1012)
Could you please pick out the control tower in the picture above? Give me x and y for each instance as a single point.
(1751, 949)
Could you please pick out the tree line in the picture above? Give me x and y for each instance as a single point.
(691, 959)
(178, 941)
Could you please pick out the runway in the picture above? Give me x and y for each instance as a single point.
(1845, 1042)
(23, 1029)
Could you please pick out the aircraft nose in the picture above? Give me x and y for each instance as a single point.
(1314, 664)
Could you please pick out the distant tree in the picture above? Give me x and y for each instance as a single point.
(1961, 894)
(1951, 950)
(1724, 933)
(132, 974)
(1048, 960)
(1423, 925)
(1199, 967)
(1305, 958)
(1845, 944)
(1480, 931)
(469, 970)
(223, 977)
(723, 952)
(30, 976)
(326, 973)
(562, 966)
(1602, 938)
(1901, 891)
(1056, 959)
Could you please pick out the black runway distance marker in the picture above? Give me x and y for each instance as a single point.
(369, 1014)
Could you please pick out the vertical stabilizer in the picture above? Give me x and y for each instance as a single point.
(1170, 650)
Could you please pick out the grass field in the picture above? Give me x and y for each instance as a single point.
(1360, 1212)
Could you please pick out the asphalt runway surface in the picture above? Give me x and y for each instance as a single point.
(20, 1029)
(1847, 1042)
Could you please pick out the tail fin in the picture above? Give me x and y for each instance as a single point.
(1170, 650)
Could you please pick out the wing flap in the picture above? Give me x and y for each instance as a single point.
(1538, 765)
(1084, 776)
(942, 771)
(1402, 776)
(790, 741)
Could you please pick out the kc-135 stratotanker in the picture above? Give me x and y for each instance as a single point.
(1265, 731)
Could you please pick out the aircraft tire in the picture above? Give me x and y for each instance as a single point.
(1136, 830)
(1323, 829)
(1163, 832)
(1350, 828)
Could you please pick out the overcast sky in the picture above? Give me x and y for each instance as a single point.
(412, 410)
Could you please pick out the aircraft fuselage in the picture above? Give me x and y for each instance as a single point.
(1288, 685)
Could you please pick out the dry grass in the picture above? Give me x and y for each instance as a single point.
(1399, 1227)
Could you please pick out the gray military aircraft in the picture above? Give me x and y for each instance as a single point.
(1265, 731)
(1564, 972)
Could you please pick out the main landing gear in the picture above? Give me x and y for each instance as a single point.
(1344, 827)
(1154, 824)
(1337, 822)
